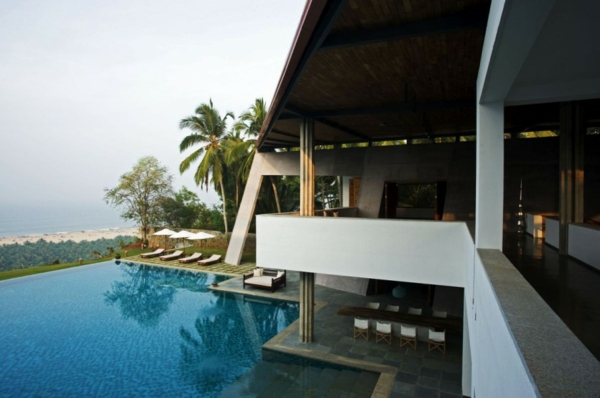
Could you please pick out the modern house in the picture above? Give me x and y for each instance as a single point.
(458, 84)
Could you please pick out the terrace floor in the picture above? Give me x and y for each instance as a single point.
(404, 372)
(569, 287)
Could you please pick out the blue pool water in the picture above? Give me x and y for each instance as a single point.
(115, 330)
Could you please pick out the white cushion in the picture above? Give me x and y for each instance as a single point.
(258, 272)
(260, 280)
(279, 274)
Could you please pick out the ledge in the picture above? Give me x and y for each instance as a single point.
(559, 364)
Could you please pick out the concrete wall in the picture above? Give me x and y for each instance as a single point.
(498, 369)
(429, 252)
(343, 283)
(552, 231)
(584, 244)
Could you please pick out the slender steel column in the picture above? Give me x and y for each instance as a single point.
(307, 209)
(572, 134)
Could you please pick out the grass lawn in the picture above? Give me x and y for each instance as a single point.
(16, 273)
(247, 257)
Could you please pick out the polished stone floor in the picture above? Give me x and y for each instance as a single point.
(569, 287)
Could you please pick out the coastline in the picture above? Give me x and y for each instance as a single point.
(76, 236)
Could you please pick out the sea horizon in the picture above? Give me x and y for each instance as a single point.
(25, 220)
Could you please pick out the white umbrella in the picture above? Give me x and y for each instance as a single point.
(164, 232)
(200, 236)
(181, 235)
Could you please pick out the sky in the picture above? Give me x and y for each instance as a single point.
(89, 87)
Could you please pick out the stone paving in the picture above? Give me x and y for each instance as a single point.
(417, 373)
(405, 372)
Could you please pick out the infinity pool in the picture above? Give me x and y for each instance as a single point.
(115, 330)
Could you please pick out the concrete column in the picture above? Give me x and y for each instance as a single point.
(307, 168)
(571, 165)
(489, 189)
(307, 306)
(307, 209)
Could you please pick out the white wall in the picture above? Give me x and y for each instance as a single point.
(534, 224)
(552, 231)
(432, 252)
(498, 368)
(584, 244)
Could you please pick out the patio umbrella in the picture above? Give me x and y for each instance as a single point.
(181, 235)
(200, 236)
(164, 232)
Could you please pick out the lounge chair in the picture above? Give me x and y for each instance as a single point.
(173, 256)
(155, 253)
(191, 259)
(265, 279)
(215, 258)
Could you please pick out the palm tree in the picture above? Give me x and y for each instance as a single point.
(250, 123)
(208, 131)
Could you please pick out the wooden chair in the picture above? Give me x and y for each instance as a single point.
(373, 306)
(408, 335)
(415, 311)
(393, 308)
(361, 328)
(383, 332)
(437, 340)
(440, 314)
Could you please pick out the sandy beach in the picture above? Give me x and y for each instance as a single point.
(77, 236)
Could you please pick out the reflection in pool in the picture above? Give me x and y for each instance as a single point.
(127, 330)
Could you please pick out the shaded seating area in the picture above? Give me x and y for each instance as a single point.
(155, 253)
(454, 324)
(173, 256)
(265, 279)
(215, 258)
(191, 259)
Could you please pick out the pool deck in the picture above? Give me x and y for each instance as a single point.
(404, 372)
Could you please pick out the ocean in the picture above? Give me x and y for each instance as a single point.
(30, 220)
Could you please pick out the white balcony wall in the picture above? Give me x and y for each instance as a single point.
(552, 231)
(430, 252)
(497, 364)
(583, 243)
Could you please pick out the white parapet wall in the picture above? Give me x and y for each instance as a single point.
(584, 244)
(552, 231)
(429, 252)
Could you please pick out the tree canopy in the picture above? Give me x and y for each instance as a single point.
(140, 192)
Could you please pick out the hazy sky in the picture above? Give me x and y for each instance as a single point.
(89, 87)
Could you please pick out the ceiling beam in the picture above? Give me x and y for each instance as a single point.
(471, 19)
(318, 142)
(404, 108)
(301, 113)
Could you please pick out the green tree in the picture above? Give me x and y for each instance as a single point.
(140, 191)
(208, 131)
(250, 123)
(183, 210)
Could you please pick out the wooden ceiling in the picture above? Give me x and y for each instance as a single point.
(383, 69)
(373, 70)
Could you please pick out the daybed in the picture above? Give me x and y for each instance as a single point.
(155, 253)
(265, 279)
(215, 258)
(191, 259)
(173, 256)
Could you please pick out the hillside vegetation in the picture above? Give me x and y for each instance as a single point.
(32, 254)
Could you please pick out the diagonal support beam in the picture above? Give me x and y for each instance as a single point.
(473, 19)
